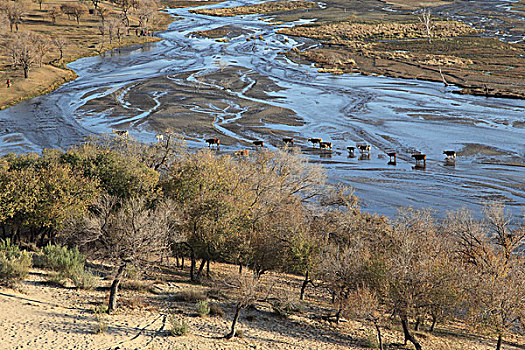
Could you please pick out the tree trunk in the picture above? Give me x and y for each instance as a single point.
(112, 304)
(26, 72)
(192, 266)
(240, 268)
(408, 336)
(338, 314)
(379, 337)
(182, 262)
(201, 268)
(500, 341)
(234, 322)
(433, 325)
(305, 283)
(416, 325)
(208, 268)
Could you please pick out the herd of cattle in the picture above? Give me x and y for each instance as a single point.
(364, 149)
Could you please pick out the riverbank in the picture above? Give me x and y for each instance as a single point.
(82, 39)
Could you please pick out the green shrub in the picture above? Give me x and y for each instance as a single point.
(83, 279)
(68, 264)
(132, 272)
(136, 285)
(177, 327)
(203, 308)
(286, 308)
(39, 260)
(370, 342)
(100, 316)
(14, 263)
(216, 310)
(63, 260)
(189, 296)
(100, 309)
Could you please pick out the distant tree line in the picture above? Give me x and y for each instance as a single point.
(122, 202)
(27, 48)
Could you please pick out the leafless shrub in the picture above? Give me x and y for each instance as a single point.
(426, 19)
(14, 11)
(74, 9)
(54, 13)
(123, 232)
(23, 51)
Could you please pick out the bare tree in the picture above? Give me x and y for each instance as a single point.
(113, 27)
(14, 11)
(123, 232)
(41, 44)
(40, 2)
(60, 43)
(364, 304)
(74, 9)
(23, 51)
(492, 253)
(247, 288)
(426, 18)
(54, 13)
(146, 11)
(78, 10)
(103, 13)
(125, 6)
(418, 267)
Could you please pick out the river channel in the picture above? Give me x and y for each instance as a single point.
(399, 115)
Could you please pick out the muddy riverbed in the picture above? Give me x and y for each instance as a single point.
(242, 89)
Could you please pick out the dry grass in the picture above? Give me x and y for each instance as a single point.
(414, 4)
(84, 40)
(264, 8)
(341, 31)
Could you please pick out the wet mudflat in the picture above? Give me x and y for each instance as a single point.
(242, 89)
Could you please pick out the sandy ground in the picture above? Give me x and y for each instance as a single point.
(41, 316)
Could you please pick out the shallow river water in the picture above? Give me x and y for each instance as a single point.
(389, 114)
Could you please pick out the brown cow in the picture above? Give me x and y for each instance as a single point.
(258, 143)
(242, 153)
(121, 133)
(325, 145)
(315, 140)
(288, 141)
(393, 158)
(450, 154)
(364, 148)
(451, 157)
(211, 142)
(420, 157)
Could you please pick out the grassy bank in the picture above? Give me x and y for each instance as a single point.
(82, 39)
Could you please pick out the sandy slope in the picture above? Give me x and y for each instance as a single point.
(40, 316)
